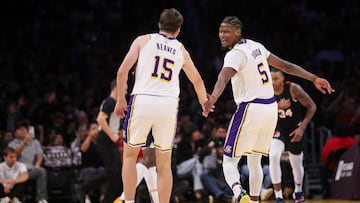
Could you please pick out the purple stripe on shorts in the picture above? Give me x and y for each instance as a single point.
(263, 101)
(126, 121)
(230, 143)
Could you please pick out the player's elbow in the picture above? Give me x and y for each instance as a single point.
(99, 120)
(123, 70)
(313, 105)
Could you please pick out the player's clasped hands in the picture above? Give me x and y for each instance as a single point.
(208, 106)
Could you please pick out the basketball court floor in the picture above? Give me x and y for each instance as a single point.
(292, 201)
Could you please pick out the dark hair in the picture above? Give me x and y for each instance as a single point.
(221, 125)
(187, 132)
(22, 123)
(234, 21)
(8, 150)
(170, 20)
(272, 69)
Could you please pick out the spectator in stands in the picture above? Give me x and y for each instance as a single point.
(13, 175)
(58, 140)
(212, 177)
(340, 140)
(31, 154)
(332, 151)
(92, 175)
(56, 154)
(58, 164)
(75, 145)
(187, 159)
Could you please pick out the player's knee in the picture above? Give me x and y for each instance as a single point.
(229, 162)
(275, 155)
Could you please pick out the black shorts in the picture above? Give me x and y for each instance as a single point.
(292, 147)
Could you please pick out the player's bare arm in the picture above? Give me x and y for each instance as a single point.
(320, 83)
(298, 93)
(102, 121)
(224, 76)
(194, 76)
(123, 71)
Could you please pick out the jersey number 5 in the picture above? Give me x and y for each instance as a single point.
(263, 75)
(166, 72)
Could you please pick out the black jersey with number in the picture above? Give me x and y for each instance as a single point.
(289, 111)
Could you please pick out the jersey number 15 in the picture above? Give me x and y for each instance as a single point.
(166, 71)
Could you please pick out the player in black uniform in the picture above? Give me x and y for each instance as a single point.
(289, 132)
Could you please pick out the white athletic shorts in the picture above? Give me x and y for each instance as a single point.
(148, 112)
(251, 128)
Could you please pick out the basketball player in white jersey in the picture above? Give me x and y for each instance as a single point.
(252, 125)
(154, 101)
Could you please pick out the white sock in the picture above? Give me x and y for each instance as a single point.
(122, 196)
(278, 194)
(151, 182)
(129, 201)
(237, 190)
(298, 188)
(252, 201)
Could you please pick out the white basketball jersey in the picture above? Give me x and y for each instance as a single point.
(158, 67)
(253, 78)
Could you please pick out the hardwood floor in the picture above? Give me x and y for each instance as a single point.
(292, 201)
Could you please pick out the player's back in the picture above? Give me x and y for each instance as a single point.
(254, 80)
(158, 67)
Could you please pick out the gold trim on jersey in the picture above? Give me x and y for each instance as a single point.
(261, 152)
